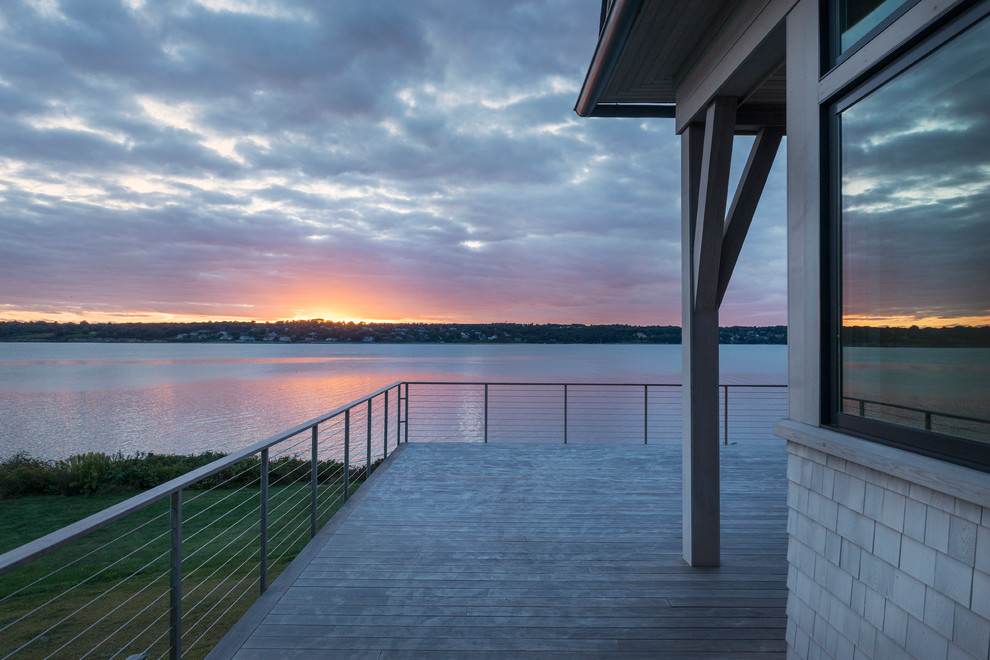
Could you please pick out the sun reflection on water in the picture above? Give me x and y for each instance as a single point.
(62, 399)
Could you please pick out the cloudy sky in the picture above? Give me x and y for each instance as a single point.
(916, 195)
(381, 160)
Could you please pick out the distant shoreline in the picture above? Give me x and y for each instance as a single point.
(216, 342)
(318, 331)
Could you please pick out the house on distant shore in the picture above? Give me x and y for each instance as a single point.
(886, 109)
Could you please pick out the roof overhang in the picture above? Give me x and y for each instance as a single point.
(618, 18)
(668, 58)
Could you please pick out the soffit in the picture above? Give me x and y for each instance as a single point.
(640, 70)
(661, 44)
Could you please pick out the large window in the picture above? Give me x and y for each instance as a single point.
(911, 247)
(856, 19)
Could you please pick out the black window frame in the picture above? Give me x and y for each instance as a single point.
(833, 55)
(961, 451)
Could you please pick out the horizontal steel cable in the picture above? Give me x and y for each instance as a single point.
(139, 613)
(123, 649)
(73, 588)
(93, 600)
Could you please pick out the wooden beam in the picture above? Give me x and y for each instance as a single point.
(709, 225)
(747, 46)
(748, 192)
(699, 347)
(692, 149)
(645, 110)
(751, 118)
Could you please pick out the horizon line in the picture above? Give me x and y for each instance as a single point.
(373, 322)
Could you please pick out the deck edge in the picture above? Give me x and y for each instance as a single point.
(234, 640)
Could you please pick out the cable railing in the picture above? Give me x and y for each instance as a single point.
(963, 426)
(167, 572)
(600, 413)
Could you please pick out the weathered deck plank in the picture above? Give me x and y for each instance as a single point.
(496, 551)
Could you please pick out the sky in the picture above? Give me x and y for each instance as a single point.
(916, 195)
(387, 160)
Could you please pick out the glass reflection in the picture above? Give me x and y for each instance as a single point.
(858, 17)
(915, 244)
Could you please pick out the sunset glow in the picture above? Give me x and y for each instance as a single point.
(384, 161)
(159, 317)
(908, 321)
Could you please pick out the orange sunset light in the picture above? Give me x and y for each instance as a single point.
(162, 317)
(261, 313)
(135, 316)
(378, 305)
(908, 321)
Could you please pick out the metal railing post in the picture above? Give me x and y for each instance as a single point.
(928, 421)
(400, 407)
(398, 416)
(263, 531)
(565, 413)
(407, 413)
(367, 466)
(646, 413)
(175, 577)
(486, 412)
(347, 453)
(314, 478)
(385, 424)
(725, 414)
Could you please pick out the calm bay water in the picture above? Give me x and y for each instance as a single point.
(61, 399)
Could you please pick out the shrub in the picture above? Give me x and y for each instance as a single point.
(96, 472)
(85, 473)
(23, 475)
(143, 471)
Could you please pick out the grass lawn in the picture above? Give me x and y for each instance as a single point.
(110, 589)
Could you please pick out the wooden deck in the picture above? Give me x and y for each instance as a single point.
(533, 551)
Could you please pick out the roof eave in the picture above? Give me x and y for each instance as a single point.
(611, 41)
(661, 110)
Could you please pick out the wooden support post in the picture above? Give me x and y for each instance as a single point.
(706, 153)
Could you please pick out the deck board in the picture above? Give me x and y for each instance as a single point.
(498, 551)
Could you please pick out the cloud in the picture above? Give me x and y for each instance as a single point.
(387, 160)
(916, 198)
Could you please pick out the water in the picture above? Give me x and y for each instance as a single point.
(952, 380)
(61, 399)
(955, 381)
